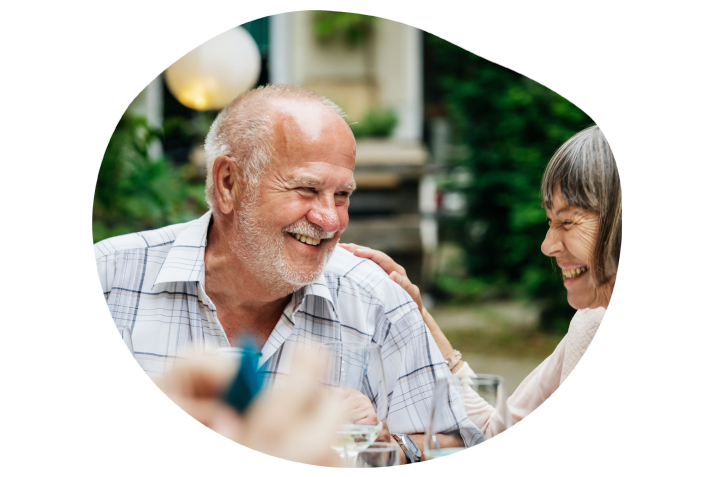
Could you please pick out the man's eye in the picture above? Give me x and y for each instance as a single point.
(309, 189)
(343, 194)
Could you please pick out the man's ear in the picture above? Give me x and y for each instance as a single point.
(226, 183)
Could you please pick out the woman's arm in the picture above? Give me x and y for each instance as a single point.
(533, 391)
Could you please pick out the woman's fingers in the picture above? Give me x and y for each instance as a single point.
(348, 246)
(382, 259)
(411, 289)
(396, 272)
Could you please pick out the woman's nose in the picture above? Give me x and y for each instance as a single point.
(325, 217)
(552, 245)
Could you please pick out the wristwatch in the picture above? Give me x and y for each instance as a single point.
(412, 452)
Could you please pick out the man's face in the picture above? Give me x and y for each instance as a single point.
(289, 230)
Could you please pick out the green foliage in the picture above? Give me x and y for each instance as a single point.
(135, 192)
(349, 28)
(376, 123)
(507, 127)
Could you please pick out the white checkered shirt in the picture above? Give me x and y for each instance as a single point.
(154, 284)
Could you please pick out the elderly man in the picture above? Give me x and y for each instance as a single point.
(263, 260)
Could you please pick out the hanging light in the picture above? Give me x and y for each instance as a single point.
(212, 75)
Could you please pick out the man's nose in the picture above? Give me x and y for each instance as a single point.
(552, 245)
(325, 216)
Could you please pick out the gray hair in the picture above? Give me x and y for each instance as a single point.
(243, 131)
(585, 170)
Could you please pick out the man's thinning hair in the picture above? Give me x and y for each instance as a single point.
(244, 131)
(585, 170)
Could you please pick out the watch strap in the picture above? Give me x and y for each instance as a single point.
(411, 456)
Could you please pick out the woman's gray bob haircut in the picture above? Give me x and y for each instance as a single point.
(243, 131)
(585, 170)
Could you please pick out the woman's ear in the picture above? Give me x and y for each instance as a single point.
(226, 183)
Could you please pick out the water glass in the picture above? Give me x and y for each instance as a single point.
(356, 367)
(379, 454)
(490, 387)
(440, 415)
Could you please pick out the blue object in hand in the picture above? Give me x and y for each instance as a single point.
(248, 381)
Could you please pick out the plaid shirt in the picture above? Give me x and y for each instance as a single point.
(154, 284)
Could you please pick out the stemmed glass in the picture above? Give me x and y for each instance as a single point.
(357, 367)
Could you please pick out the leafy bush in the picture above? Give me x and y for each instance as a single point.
(350, 28)
(136, 192)
(507, 127)
(376, 123)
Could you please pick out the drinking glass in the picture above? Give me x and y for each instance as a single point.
(357, 367)
(490, 387)
(379, 454)
(441, 418)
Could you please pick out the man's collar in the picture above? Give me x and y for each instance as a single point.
(185, 260)
(318, 288)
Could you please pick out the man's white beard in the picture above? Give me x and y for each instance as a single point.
(262, 251)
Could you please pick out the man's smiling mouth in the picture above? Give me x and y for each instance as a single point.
(305, 239)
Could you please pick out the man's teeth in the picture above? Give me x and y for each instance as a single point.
(304, 239)
(574, 272)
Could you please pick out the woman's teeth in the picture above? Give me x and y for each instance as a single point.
(574, 272)
(304, 239)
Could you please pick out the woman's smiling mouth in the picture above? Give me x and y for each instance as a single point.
(573, 272)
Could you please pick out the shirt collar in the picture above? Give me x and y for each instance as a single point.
(318, 288)
(185, 261)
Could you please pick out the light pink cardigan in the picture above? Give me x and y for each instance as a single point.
(542, 382)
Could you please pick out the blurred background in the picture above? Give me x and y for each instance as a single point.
(450, 153)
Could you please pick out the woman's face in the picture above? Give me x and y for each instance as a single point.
(571, 240)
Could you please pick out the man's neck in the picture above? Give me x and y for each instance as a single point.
(244, 304)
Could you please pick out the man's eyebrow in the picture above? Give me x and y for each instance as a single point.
(305, 180)
(313, 182)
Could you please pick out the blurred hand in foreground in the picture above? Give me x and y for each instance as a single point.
(358, 406)
(297, 423)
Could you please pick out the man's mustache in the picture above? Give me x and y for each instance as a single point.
(304, 227)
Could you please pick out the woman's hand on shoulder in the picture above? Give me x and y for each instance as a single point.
(396, 271)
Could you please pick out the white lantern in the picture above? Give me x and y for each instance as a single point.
(212, 75)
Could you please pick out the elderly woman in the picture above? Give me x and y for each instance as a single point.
(581, 193)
